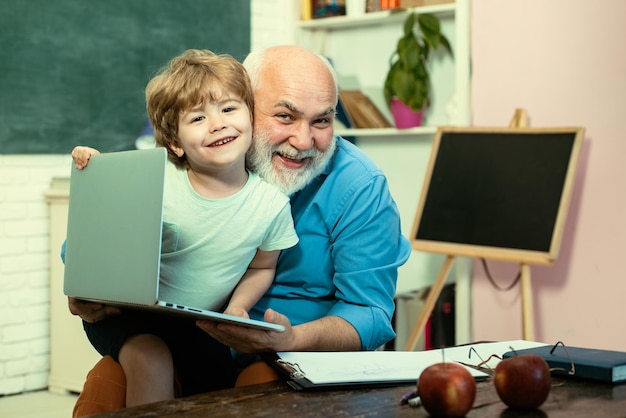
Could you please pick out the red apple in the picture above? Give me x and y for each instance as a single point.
(446, 390)
(523, 382)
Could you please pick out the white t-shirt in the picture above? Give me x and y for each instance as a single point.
(207, 244)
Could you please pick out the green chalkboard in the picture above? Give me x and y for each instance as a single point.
(74, 71)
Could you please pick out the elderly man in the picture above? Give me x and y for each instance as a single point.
(334, 291)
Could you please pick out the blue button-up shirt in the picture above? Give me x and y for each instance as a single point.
(350, 248)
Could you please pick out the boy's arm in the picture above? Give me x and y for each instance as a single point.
(254, 283)
(81, 156)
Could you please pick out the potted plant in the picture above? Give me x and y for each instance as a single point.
(408, 81)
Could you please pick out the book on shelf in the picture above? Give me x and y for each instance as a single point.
(420, 3)
(315, 9)
(361, 112)
(342, 115)
(327, 8)
(306, 9)
(588, 363)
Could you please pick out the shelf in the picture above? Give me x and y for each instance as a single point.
(427, 131)
(360, 47)
(373, 18)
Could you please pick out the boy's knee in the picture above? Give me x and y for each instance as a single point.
(145, 343)
(143, 352)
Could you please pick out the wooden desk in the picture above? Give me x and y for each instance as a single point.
(568, 398)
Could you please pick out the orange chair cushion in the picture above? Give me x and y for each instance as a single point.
(257, 372)
(105, 387)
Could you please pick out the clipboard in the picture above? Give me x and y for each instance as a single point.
(353, 369)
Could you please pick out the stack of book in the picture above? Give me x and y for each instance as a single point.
(580, 362)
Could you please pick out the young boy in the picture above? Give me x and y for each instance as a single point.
(223, 229)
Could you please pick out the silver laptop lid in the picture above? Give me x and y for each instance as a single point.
(114, 227)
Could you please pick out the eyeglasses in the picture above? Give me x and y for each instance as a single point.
(484, 366)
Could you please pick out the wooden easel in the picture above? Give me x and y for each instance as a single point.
(520, 120)
(429, 304)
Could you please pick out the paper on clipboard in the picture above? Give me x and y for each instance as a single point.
(310, 370)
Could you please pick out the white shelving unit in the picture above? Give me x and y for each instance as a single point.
(360, 48)
(412, 133)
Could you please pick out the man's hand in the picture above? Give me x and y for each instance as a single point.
(91, 311)
(247, 340)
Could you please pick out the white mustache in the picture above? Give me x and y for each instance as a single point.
(296, 155)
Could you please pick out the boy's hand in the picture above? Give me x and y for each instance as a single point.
(81, 156)
(237, 311)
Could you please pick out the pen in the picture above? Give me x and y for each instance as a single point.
(404, 400)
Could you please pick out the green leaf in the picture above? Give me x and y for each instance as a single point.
(409, 23)
(431, 30)
(446, 44)
(410, 55)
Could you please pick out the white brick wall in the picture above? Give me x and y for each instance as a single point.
(24, 278)
(273, 22)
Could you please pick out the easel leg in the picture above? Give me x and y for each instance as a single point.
(520, 120)
(528, 326)
(429, 304)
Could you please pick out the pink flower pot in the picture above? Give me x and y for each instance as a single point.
(403, 116)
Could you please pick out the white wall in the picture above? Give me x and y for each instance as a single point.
(24, 296)
(563, 61)
(24, 278)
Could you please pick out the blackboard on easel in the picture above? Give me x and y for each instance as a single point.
(74, 72)
(496, 193)
(500, 193)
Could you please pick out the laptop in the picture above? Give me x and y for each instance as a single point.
(113, 243)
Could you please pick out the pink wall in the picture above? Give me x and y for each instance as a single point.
(564, 61)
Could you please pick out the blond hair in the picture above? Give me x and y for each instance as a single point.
(187, 81)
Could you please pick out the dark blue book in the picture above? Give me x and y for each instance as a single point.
(588, 363)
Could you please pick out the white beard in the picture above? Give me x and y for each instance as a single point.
(288, 180)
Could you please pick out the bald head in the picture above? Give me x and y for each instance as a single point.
(289, 62)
